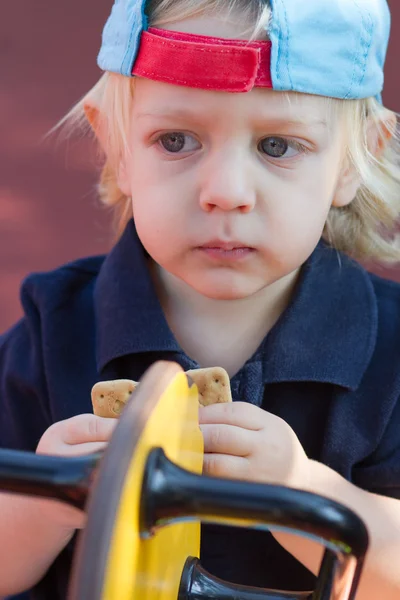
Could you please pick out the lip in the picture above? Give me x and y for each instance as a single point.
(226, 252)
(226, 246)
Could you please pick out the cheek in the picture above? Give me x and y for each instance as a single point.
(159, 226)
(161, 201)
(298, 215)
(153, 220)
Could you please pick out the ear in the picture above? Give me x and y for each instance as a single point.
(378, 138)
(99, 128)
(97, 124)
(347, 186)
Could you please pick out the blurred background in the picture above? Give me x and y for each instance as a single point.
(49, 212)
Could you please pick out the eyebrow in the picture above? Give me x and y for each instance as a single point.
(299, 122)
(166, 113)
(271, 121)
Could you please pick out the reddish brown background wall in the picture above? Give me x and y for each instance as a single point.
(48, 212)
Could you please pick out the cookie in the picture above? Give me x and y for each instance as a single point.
(110, 397)
(213, 385)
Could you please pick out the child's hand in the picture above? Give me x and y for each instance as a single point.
(242, 441)
(83, 434)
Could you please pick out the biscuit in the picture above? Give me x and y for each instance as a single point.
(110, 397)
(213, 385)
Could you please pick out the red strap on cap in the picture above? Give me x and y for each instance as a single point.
(204, 62)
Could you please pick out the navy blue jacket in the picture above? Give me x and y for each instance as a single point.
(330, 367)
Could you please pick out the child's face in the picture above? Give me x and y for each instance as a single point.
(224, 196)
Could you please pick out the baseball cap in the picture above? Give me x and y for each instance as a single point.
(333, 48)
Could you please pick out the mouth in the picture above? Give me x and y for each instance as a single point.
(228, 246)
(226, 251)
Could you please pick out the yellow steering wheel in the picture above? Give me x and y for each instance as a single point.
(142, 538)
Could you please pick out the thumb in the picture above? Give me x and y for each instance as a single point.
(88, 428)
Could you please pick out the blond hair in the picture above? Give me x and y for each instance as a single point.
(363, 229)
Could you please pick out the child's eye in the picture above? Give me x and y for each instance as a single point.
(278, 147)
(177, 141)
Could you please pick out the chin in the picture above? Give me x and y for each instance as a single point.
(224, 292)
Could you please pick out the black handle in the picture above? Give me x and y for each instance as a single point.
(197, 584)
(62, 478)
(170, 493)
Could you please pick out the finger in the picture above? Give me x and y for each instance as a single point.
(76, 449)
(228, 467)
(227, 439)
(239, 414)
(88, 428)
(83, 449)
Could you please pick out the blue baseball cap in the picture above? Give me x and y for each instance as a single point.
(333, 48)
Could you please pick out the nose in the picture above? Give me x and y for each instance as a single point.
(227, 182)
